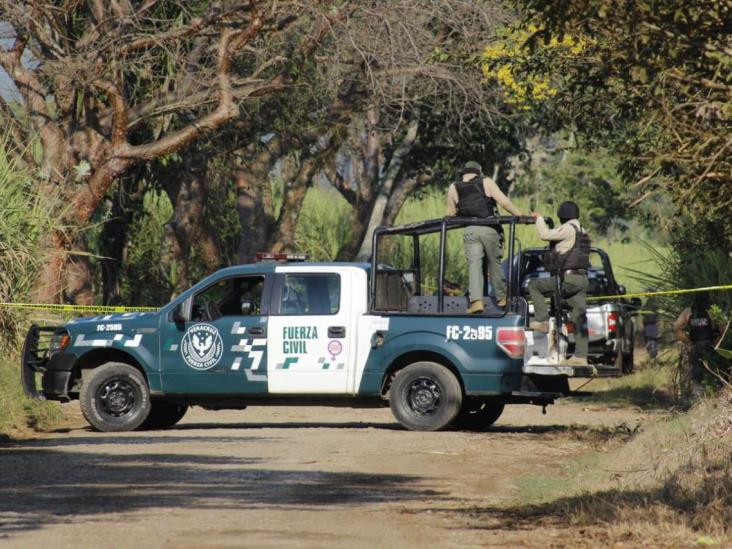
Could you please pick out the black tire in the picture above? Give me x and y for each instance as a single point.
(425, 396)
(115, 397)
(476, 415)
(163, 415)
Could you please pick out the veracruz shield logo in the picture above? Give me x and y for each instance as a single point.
(201, 346)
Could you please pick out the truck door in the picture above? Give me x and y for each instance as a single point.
(223, 348)
(310, 344)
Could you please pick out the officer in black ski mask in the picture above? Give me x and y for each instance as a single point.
(569, 260)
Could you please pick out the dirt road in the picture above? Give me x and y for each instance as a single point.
(269, 477)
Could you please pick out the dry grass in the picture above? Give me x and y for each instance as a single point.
(669, 486)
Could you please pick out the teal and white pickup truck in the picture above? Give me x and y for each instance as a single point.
(285, 332)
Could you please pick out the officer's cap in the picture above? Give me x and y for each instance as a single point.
(472, 167)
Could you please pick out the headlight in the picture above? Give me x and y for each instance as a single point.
(59, 342)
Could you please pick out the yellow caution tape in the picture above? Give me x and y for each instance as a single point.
(662, 292)
(79, 308)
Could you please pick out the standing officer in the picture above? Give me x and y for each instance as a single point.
(695, 327)
(569, 260)
(477, 196)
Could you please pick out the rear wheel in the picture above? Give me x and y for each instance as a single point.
(476, 415)
(115, 397)
(425, 396)
(164, 414)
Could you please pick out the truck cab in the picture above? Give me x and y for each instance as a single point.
(281, 331)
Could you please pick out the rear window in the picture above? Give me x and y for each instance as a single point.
(311, 294)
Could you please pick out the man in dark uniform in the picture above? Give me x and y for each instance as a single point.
(695, 327)
(570, 260)
(477, 196)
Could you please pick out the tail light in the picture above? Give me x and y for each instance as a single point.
(612, 322)
(511, 341)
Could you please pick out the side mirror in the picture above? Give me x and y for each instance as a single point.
(246, 308)
(179, 313)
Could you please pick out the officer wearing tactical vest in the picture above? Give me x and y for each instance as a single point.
(569, 260)
(695, 327)
(477, 196)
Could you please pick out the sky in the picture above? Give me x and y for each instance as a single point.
(8, 91)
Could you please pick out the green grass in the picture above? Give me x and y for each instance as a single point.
(324, 224)
(17, 412)
(648, 387)
(26, 218)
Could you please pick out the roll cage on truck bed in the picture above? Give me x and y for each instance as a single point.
(297, 333)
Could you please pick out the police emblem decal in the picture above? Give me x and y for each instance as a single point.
(201, 346)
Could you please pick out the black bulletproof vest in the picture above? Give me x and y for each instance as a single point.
(700, 326)
(578, 257)
(472, 200)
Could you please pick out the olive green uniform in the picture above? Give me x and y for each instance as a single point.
(482, 241)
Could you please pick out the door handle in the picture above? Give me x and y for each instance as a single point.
(335, 332)
(256, 331)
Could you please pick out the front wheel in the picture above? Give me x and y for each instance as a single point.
(425, 396)
(478, 415)
(115, 397)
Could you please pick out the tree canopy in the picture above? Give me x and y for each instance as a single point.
(653, 81)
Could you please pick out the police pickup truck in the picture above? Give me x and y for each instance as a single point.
(286, 332)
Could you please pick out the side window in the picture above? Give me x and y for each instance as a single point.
(311, 294)
(239, 296)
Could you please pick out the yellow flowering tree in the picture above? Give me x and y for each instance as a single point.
(509, 63)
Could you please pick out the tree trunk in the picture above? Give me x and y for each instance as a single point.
(283, 235)
(187, 229)
(254, 201)
(78, 275)
(385, 188)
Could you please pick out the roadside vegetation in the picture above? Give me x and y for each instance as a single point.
(670, 485)
(25, 219)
